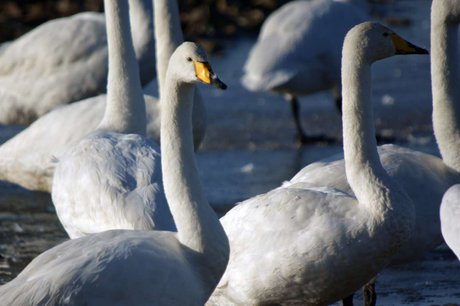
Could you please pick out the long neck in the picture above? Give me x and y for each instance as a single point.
(140, 18)
(197, 225)
(365, 173)
(445, 86)
(390, 210)
(125, 109)
(168, 35)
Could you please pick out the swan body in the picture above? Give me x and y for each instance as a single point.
(450, 217)
(29, 158)
(298, 49)
(117, 267)
(313, 244)
(123, 267)
(64, 60)
(292, 54)
(424, 177)
(121, 178)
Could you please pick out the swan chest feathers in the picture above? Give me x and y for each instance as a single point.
(322, 235)
(121, 179)
(112, 268)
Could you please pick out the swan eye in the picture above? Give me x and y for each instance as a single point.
(385, 34)
(189, 59)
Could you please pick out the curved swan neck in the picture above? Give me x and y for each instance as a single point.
(140, 18)
(445, 87)
(197, 225)
(168, 35)
(364, 171)
(125, 108)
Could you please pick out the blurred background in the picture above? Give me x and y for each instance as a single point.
(200, 18)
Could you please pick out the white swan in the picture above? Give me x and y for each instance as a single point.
(424, 177)
(28, 159)
(450, 218)
(65, 60)
(111, 179)
(127, 267)
(298, 51)
(312, 244)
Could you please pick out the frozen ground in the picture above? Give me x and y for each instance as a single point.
(250, 149)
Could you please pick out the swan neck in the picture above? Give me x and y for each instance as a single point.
(125, 108)
(141, 21)
(197, 225)
(445, 88)
(168, 35)
(364, 171)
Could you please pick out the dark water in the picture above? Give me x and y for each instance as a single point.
(250, 149)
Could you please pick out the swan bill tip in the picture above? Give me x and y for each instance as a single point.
(402, 46)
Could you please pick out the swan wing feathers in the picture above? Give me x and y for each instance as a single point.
(300, 45)
(450, 218)
(121, 177)
(304, 226)
(111, 268)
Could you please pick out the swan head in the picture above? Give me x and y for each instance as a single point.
(371, 41)
(189, 64)
(446, 11)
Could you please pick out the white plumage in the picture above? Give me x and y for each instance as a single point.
(424, 178)
(65, 60)
(315, 244)
(450, 218)
(298, 49)
(111, 181)
(445, 18)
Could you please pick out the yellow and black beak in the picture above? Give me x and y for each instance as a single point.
(204, 72)
(404, 47)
